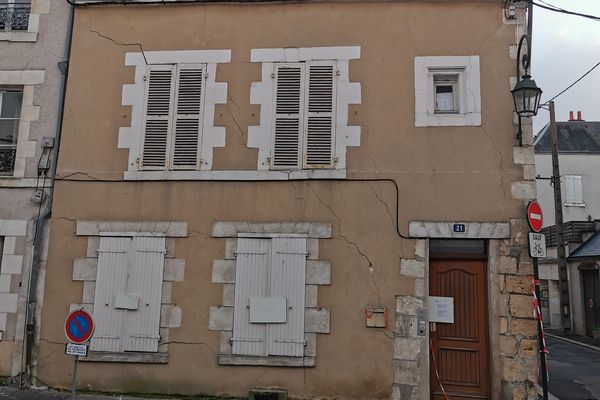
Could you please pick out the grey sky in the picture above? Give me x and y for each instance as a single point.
(564, 48)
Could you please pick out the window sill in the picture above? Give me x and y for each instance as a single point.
(581, 205)
(447, 119)
(234, 175)
(18, 36)
(266, 361)
(146, 358)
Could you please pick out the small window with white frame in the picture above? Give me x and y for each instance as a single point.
(574, 190)
(446, 92)
(441, 88)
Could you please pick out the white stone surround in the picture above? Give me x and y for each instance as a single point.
(132, 137)
(26, 80)
(318, 272)
(261, 93)
(11, 264)
(84, 270)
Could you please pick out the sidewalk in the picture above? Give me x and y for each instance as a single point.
(12, 393)
(574, 339)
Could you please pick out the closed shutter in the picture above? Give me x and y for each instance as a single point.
(570, 188)
(159, 101)
(578, 188)
(188, 118)
(252, 265)
(145, 287)
(289, 106)
(319, 140)
(287, 279)
(111, 279)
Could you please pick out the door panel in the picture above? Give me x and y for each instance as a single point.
(461, 349)
(591, 298)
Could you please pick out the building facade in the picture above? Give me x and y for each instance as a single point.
(32, 43)
(579, 160)
(275, 196)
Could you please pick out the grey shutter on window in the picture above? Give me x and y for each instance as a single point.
(251, 271)
(111, 279)
(188, 119)
(158, 113)
(287, 279)
(145, 286)
(288, 115)
(320, 122)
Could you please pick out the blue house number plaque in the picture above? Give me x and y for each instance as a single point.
(459, 228)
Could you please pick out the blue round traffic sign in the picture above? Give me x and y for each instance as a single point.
(79, 326)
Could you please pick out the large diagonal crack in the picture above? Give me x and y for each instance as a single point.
(119, 43)
(372, 269)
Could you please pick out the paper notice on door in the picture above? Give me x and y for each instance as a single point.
(441, 309)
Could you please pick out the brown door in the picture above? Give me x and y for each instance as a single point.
(591, 297)
(461, 349)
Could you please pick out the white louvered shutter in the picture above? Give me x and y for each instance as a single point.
(188, 117)
(289, 107)
(287, 279)
(111, 279)
(159, 109)
(145, 285)
(320, 116)
(251, 271)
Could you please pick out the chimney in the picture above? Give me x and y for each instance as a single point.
(571, 116)
(579, 116)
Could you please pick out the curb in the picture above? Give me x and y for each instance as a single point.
(575, 342)
(550, 395)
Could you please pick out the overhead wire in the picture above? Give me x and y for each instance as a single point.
(550, 7)
(573, 84)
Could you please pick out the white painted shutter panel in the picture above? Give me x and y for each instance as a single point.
(578, 189)
(289, 105)
(188, 117)
(319, 137)
(111, 279)
(287, 279)
(159, 108)
(145, 285)
(251, 271)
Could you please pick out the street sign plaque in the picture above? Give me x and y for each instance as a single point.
(76, 349)
(537, 245)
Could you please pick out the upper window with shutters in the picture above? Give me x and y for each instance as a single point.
(172, 128)
(172, 123)
(304, 97)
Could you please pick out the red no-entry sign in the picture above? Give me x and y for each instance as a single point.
(534, 216)
(79, 327)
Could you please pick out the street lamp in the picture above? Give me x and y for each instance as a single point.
(526, 94)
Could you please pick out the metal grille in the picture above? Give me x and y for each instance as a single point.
(14, 17)
(7, 160)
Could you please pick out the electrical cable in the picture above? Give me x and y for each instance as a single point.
(572, 84)
(68, 178)
(553, 8)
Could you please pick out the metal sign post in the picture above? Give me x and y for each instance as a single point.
(79, 328)
(537, 248)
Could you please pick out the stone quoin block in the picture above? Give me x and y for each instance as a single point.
(408, 305)
(11, 264)
(316, 320)
(414, 268)
(318, 272)
(220, 319)
(170, 316)
(174, 270)
(84, 269)
(223, 271)
(406, 348)
(521, 306)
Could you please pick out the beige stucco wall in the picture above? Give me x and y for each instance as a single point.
(455, 173)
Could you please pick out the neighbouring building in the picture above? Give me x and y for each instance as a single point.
(579, 159)
(32, 44)
(283, 197)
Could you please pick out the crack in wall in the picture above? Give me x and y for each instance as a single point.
(372, 270)
(500, 167)
(119, 43)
